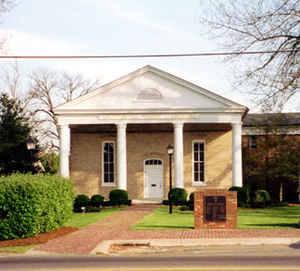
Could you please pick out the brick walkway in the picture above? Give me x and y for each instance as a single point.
(115, 227)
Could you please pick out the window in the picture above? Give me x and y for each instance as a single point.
(252, 142)
(108, 163)
(153, 162)
(198, 162)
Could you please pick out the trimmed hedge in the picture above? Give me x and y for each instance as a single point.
(243, 195)
(81, 201)
(118, 197)
(97, 200)
(178, 196)
(32, 204)
(262, 197)
(190, 202)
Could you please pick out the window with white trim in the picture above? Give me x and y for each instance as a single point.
(198, 162)
(108, 163)
(252, 142)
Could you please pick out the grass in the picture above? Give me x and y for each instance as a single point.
(277, 217)
(80, 220)
(160, 219)
(268, 218)
(17, 250)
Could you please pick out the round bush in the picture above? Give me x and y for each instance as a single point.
(192, 195)
(81, 201)
(97, 200)
(178, 196)
(242, 194)
(262, 196)
(118, 197)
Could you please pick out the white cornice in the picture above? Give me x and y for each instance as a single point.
(208, 117)
(281, 131)
(150, 111)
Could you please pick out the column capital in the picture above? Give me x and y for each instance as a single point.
(64, 126)
(121, 125)
(178, 124)
(235, 124)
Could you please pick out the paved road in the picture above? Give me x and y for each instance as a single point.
(230, 258)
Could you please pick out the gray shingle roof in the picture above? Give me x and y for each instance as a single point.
(262, 119)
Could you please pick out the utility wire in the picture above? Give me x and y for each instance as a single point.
(145, 55)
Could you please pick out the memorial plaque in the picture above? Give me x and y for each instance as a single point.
(215, 208)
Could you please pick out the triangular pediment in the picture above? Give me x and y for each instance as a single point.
(148, 89)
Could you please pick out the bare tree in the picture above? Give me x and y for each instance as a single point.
(5, 6)
(11, 79)
(272, 25)
(47, 90)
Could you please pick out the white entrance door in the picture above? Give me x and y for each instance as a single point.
(153, 172)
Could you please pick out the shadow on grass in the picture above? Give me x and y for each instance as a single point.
(165, 227)
(276, 225)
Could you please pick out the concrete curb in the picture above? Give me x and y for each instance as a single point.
(103, 247)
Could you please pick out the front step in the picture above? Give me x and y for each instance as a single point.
(146, 201)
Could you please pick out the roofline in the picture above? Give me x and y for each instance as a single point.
(165, 74)
(152, 111)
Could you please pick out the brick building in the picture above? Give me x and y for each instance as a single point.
(268, 137)
(117, 137)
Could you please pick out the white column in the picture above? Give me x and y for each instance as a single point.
(237, 176)
(178, 155)
(122, 160)
(64, 150)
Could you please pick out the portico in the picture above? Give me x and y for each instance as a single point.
(131, 121)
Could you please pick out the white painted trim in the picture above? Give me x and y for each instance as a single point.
(150, 110)
(102, 165)
(150, 118)
(193, 182)
(163, 183)
(64, 152)
(280, 131)
(162, 74)
(237, 168)
(252, 142)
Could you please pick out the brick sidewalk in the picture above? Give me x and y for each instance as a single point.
(115, 227)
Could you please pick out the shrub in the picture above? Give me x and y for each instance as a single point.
(118, 197)
(50, 162)
(32, 204)
(80, 201)
(243, 196)
(178, 196)
(165, 202)
(192, 195)
(280, 204)
(190, 202)
(92, 209)
(106, 203)
(97, 200)
(262, 197)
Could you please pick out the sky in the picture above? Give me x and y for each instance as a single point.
(118, 27)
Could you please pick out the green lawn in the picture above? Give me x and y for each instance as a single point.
(19, 249)
(279, 217)
(80, 220)
(160, 219)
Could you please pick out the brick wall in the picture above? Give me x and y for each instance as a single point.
(85, 160)
(200, 209)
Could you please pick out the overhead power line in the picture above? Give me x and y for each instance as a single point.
(145, 55)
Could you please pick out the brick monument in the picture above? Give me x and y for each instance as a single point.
(215, 209)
